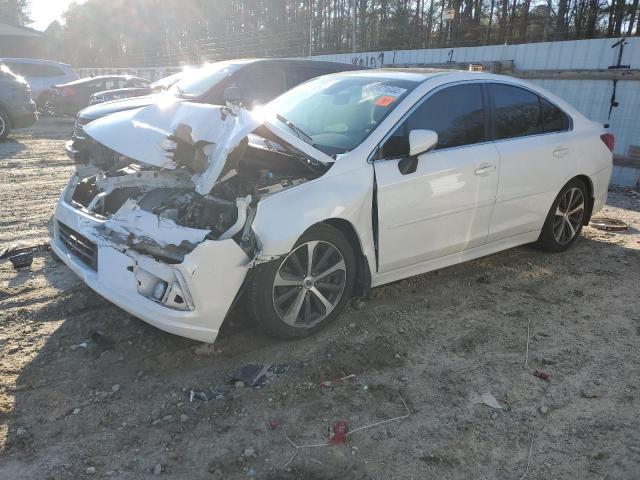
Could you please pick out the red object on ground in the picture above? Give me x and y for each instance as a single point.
(542, 375)
(339, 432)
(272, 424)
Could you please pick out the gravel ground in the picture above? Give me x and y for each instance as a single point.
(88, 391)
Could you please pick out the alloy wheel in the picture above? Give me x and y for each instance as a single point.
(569, 215)
(309, 284)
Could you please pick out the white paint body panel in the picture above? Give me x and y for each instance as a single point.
(442, 208)
(444, 213)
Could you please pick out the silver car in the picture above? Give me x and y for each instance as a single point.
(41, 75)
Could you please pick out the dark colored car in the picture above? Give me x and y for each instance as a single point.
(17, 109)
(120, 93)
(258, 80)
(70, 98)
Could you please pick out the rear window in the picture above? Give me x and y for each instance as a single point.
(554, 119)
(297, 75)
(516, 112)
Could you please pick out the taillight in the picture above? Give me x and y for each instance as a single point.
(609, 140)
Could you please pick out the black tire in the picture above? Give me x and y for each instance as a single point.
(571, 227)
(5, 125)
(262, 292)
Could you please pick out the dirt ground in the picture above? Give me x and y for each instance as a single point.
(88, 391)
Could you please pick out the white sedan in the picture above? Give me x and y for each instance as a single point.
(344, 183)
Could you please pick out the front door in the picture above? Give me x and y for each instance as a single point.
(444, 207)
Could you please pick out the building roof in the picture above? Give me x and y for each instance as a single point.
(7, 30)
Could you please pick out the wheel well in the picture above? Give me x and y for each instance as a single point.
(363, 278)
(589, 185)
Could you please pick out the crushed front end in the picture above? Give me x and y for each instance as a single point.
(162, 228)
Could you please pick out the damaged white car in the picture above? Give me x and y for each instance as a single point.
(346, 182)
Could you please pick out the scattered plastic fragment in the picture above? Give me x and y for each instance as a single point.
(608, 224)
(255, 375)
(212, 393)
(487, 399)
(338, 432)
(330, 383)
(542, 375)
(272, 424)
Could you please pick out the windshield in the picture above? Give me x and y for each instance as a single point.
(197, 82)
(338, 112)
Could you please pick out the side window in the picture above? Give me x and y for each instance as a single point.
(516, 112)
(262, 83)
(44, 70)
(553, 119)
(16, 68)
(456, 114)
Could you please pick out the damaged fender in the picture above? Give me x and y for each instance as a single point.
(336, 195)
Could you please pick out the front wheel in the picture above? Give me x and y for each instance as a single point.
(299, 294)
(565, 219)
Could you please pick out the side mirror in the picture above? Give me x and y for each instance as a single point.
(234, 95)
(420, 141)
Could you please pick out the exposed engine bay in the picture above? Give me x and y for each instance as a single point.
(259, 165)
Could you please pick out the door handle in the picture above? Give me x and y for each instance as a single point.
(560, 152)
(485, 169)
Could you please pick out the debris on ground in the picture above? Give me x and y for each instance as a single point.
(608, 224)
(331, 383)
(542, 375)
(256, 375)
(102, 340)
(212, 393)
(487, 399)
(338, 432)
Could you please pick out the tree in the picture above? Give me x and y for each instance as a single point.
(14, 12)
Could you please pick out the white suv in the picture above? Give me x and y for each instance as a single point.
(41, 75)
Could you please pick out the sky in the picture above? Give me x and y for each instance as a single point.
(43, 12)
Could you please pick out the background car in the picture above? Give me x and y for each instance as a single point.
(121, 93)
(41, 75)
(17, 109)
(260, 80)
(69, 98)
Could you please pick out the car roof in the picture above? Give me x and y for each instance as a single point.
(422, 74)
(301, 62)
(104, 77)
(39, 61)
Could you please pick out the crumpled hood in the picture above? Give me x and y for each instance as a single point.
(142, 135)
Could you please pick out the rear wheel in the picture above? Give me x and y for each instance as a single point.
(564, 221)
(303, 292)
(5, 126)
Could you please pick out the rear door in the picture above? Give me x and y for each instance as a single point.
(444, 207)
(534, 142)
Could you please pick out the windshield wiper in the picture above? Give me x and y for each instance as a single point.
(297, 130)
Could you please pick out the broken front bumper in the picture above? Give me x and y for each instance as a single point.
(210, 276)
